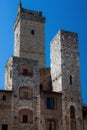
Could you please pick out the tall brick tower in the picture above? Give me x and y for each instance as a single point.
(65, 74)
(29, 35)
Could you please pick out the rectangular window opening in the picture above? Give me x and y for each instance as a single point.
(70, 79)
(4, 97)
(25, 118)
(4, 127)
(32, 32)
(50, 103)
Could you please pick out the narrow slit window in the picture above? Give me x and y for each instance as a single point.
(70, 79)
(41, 87)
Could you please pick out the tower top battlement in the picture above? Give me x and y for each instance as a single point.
(29, 15)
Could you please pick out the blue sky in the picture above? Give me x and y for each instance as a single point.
(69, 15)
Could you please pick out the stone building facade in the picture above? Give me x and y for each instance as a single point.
(36, 97)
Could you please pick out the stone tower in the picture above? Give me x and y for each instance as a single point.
(39, 98)
(29, 35)
(65, 74)
(28, 43)
(22, 70)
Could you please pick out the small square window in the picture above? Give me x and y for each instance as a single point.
(32, 32)
(50, 103)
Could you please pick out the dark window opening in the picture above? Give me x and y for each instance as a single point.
(70, 79)
(30, 13)
(50, 103)
(25, 72)
(25, 118)
(72, 112)
(41, 87)
(4, 97)
(4, 127)
(32, 32)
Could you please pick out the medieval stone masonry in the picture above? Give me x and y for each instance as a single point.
(36, 97)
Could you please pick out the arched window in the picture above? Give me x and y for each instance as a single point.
(25, 116)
